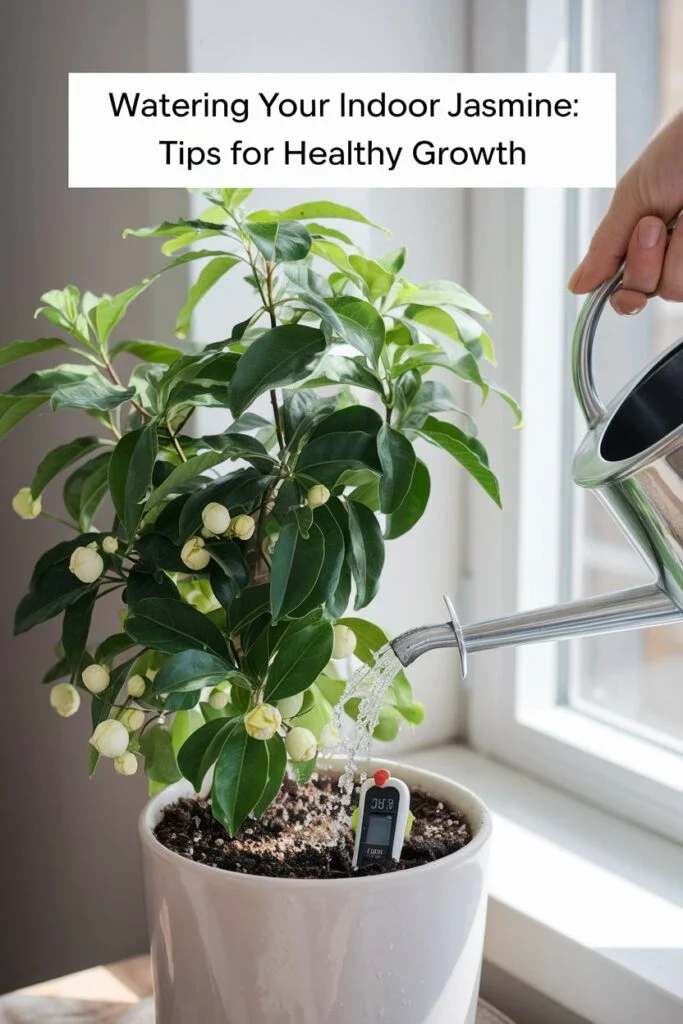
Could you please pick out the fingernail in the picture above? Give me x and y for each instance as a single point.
(575, 278)
(649, 232)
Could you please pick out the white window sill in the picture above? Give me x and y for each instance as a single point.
(585, 908)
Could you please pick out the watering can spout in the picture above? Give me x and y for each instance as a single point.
(637, 608)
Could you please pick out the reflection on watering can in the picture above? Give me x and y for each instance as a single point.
(632, 458)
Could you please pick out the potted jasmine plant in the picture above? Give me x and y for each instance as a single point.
(241, 560)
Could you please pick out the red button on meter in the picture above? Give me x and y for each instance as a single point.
(381, 777)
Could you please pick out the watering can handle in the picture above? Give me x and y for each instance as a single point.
(582, 348)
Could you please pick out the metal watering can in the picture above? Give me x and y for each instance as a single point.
(632, 458)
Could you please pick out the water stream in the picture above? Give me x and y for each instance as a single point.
(370, 684)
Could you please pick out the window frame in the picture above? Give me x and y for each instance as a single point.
(512, 560)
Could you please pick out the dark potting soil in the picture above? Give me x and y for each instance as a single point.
(299, 835)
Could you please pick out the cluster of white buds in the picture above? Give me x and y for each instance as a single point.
(95, 678)
(216, 519)
(194, 554)
(318, 495)
(243, 527)
(262, 722)
(86, 564)
(344, 642)
(110, 738)
(136, 686)
(25, 505)
(65, 699)
(301, 744)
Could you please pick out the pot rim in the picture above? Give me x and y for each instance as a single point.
(482, 834)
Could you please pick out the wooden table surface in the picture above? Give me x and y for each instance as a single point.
(118, 994)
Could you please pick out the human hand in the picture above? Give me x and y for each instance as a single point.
(635, 227)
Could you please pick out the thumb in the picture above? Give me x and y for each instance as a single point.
(609, 244)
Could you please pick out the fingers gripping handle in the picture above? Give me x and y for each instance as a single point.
(582, 348)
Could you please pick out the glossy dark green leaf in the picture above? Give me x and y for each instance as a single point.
(94, 392)
(240, 491)
(209, 275)
(280, 356)
(130, 474)
(351, 320)
(112, 646)
(158, 552)
(413, 505)
(301, 412)
(433, 396)
(85, 489)
(281, 241)
(60, 670)
(365, 553)
(75, 629)
(250, 604)
(228, 555)
(15, 409)
(349, 420)
(57, 589)
(191, 670)
(156, 747)
(227, 446)
(295, 568)
(299, 659)
(21, 349)
(239, 779)
(201, 750)
(328, 578)
(326, 458)
(172, 627)
(59, 458)
(46, 382)
(334, 369)
(397, 457)
(277, 766)
(465, 449)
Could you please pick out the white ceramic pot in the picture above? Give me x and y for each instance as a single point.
(404, 948)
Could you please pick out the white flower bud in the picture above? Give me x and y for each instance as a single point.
(243, 527)
(218, 700)
(25, 505)
(216, 518)
(329, 736)
(126, 764)
(92, 546)
(86, 565)
(136, 686)
(317, 496)
(194, 554)
(289, 707)
(110, 738)
(263, 721)
(301, 744)
(344, 642)
(110, 545)
(132, 718)
(65, 699)
(95, 678)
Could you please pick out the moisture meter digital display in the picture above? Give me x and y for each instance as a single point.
(382, 819)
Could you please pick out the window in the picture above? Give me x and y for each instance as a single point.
(602, 715)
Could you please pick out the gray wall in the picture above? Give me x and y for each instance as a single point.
(69, 874)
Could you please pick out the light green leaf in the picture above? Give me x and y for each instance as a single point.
(240, 777)
(280, 356)
(317, 210)
(183, 725)
(397, 456)
(338, 257)
(343, 370)
(509, 400)
(466, 450)
(441, 293)
(59, 458)
(413, 505)
(377, 280)
(282, 241)
(149, 351)
(171, 229)
(300, 657)
(209, 275)
(21, 349)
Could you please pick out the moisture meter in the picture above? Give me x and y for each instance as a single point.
(383, 814)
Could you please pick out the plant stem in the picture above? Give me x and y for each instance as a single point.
(58, 519)
(270, 309)
(117, 380)
(176, 442)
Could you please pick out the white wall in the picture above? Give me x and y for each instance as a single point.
(382, 35)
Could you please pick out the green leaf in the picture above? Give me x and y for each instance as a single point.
(397, 457)
(240, 491)
(226, 446)
(191, 670)
(58, 589)
(366, 552)
(130, 474)
(94, 392)
(171, 229)
(307, 280)
(282, 241)
(441, 293)
(509, 400)
(352, 321)
(172, 627)
(277, 766)
(433, 396)
(14, 410)
(465, 449)
(149, 351)
(75, 629)
(45, 382)
(316, 210)
(280, 356)
(326, 585)
(413, 505)
(377, 280)
(183, 725)
(21, 349)
(302, 770)
(240, 777)
(324, 459)
(323, 231)
(337, 256)
(86, 488)
(295, 568)
(228, 555)
(393, 261)
(335, 369)
(143, 584)
(201, 750)
(300, 657)
(110, 648)
(59, 458)
(370, 639)
(160, 760)
(413, 713)
(208, 276)
(302, 411)
(388, 724)
(250, 604)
